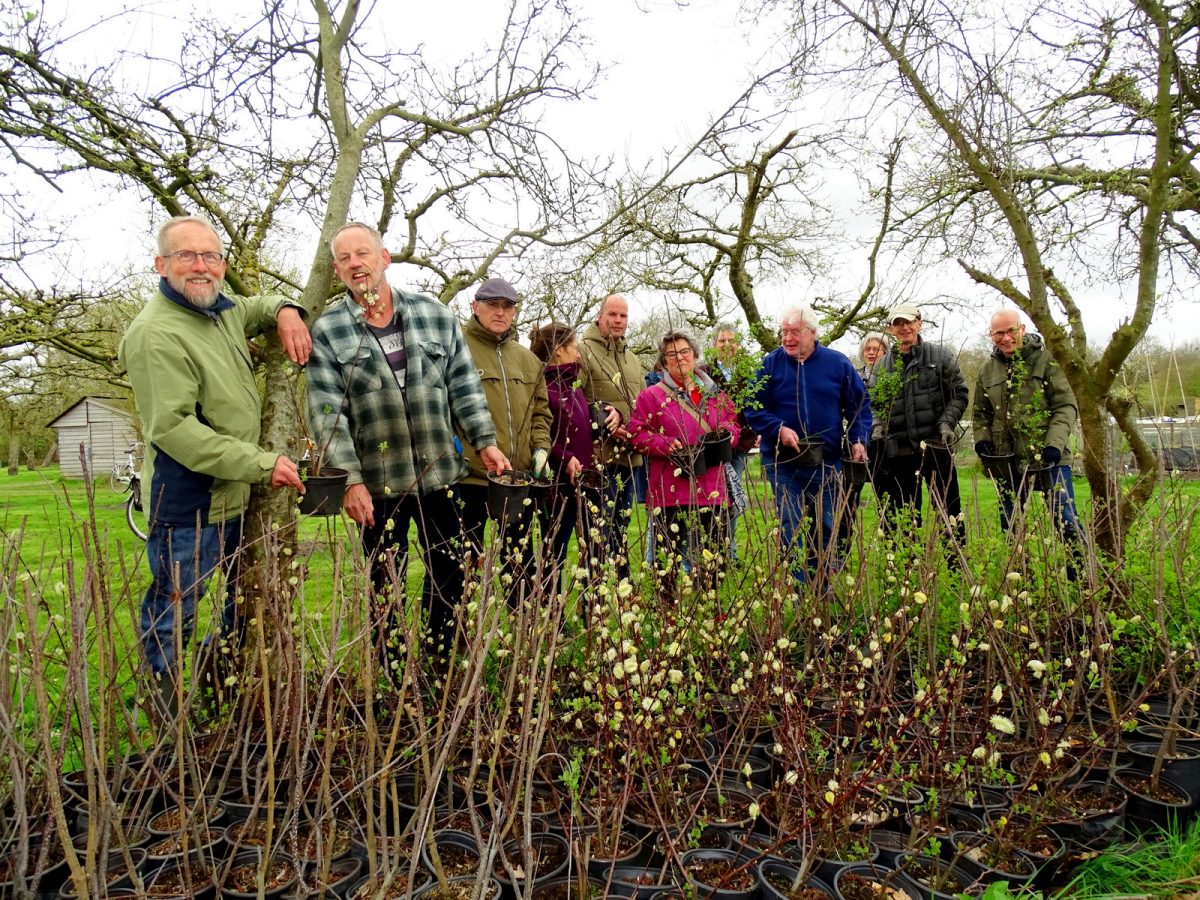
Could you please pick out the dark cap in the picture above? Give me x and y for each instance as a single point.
(497, 289)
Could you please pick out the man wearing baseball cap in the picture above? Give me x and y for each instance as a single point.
(919, 399)
(514, 383)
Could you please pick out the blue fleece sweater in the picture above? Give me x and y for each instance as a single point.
(813, 397)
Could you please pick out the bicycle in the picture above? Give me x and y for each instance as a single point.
(123, 473)
(126, 476)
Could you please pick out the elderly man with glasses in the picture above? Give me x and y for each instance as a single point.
(193, 383)
(810, 402)
(1024, 406)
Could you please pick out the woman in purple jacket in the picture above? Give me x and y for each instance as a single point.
(571, 449)
(668, 424)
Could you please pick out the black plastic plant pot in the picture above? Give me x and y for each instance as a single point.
(862, 880)
(776, 878)
(854, 472)
(507, 493)
(323, 493)
(239, 879)
(720, 875)
(718, 448)
(690, 462)
(1001, 467)
(808, 455)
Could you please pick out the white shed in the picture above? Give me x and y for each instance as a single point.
(104, 429)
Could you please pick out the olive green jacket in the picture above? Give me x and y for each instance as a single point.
(612, 374)
(1042, 414)
(514, 382)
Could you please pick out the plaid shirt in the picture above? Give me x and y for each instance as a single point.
(395, 441)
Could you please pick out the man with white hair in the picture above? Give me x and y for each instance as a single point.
(809, 402)
(193, 383)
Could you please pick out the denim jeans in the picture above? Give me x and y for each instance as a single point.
(1061, 502)
(739, 467)
(182, 558)
(802, 491)
(616, 515)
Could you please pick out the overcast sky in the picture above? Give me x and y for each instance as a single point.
(669, 70)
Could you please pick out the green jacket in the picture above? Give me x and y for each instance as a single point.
(193, 383)
(514, 382)
(611, 374)
(1011, 422)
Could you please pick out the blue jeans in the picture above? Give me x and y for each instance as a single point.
(801, 491)
(182, 558)
(1061, 502)
(616, 515)
(739, 466)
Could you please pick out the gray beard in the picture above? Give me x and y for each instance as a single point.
(203, 304)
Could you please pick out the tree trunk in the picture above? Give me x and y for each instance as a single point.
(14, 454)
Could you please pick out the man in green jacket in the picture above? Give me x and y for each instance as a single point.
(1024, 406)
(612, 378)
(389, 379)
(514, 382)
(193, 383)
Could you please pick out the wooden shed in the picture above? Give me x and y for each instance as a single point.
(104, 429)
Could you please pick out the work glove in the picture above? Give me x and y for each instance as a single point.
(1051, 456)
(541, 464)
(985, 448)
(877, 431)
(946, 433)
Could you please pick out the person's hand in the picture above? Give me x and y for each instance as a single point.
(286, 474)
(495, 461)
(789, 438)
(985, 448)
(541, 463)
(358, 505)
(612, 419)
(877, 431)
(574, 467)
(676, 446)
(293, 334)
(1051, 455)
(858, 452)
(946, 433)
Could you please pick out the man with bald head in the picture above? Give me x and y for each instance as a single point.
(612, 378)
(194, 386)
(1024, 405)
(389, 380)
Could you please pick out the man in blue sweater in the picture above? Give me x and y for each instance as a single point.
(810, 401)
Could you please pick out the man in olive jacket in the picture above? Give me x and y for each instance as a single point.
(193, 384)
(1024, 406)
(918, 425)
(613, 377)
(514, 382)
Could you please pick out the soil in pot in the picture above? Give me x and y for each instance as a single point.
(567, 888)
(868, 883)
(392, 885)
(460, 888)
(720, 874)
(197, 844)
(116, 873)
(176, 819)
(939, 878)
(457, 851)
(778, 880)
(548, 855)
(242, 878)
(175, 880)
(1153, 804)
(987, 860)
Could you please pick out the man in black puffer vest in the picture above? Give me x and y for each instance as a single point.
(917, 424)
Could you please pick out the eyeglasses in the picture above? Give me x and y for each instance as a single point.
(685, 353)
(904, 323)
(498, 303)
(1011, 332)
(188, 257)
(793, 332)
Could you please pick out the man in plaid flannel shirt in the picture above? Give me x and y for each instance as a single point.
(388, 379)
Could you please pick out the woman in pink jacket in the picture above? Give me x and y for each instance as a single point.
(669, 424)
